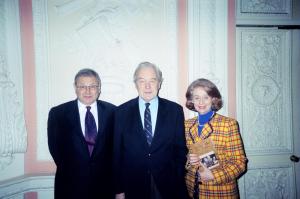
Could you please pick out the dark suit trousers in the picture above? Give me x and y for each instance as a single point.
(154, 190)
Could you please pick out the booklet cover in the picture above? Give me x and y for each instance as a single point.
(209, 160)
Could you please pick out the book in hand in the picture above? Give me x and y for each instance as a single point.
(209, 160)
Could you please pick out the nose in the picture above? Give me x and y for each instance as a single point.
(148, 85)
(88, 89)
(201, 100)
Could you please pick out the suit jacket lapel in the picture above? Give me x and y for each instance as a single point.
(74, 119)
(194, 129)
(162, 115)
(101, 121)
(101, 118)
(135, 122)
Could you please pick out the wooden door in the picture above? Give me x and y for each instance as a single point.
(268, 79)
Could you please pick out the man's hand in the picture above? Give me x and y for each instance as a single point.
(120, 196)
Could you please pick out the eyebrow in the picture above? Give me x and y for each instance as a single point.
(154, 78)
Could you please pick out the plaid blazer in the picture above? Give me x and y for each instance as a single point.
(224, 132)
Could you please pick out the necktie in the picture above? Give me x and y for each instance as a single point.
(148, 124)
(90, 129)
(196, 185)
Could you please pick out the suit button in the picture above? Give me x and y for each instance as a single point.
(149, 154)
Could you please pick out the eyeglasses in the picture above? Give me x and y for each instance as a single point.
(91, 87)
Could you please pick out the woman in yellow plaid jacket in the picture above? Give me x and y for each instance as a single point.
(216, 156)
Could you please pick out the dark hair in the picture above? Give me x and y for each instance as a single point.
(211, 90)
(87, 72)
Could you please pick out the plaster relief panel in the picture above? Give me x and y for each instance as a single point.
(13, 136)
(265, 12)
(266, 7)
(12, 127)
(112, 37)
(207, 24)
(264, 90)
(269, 183)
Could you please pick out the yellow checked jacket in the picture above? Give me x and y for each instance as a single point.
(224, 133)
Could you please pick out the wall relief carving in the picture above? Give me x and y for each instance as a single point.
(111, 37)
(265, 90)
(270, 6)
(13, 137)
(269, 183)
(207, 24)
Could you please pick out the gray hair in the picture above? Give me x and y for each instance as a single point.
(87, 72)
(148, 65)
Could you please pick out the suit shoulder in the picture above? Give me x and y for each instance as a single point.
(190, 120)
(224, 119)
(127, 104)
(63, 106)
(170, 103)
(107, 104)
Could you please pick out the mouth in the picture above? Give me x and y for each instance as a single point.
(201, 107)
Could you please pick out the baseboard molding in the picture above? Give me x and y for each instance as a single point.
(26, 183)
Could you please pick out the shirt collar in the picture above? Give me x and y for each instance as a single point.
(142, 102)
(82, 106)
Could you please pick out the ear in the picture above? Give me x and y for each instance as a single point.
(159, 86)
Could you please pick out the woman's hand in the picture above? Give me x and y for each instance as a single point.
(205, 173)
(193, 159)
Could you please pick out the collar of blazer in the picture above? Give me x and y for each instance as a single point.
(207, 129)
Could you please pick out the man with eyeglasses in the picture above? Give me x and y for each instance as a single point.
(149, 142)
(80, 141)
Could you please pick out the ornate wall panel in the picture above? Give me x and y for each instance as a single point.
(13, 136)
(279, 7)
(270, 183)
(207, 24)
(264, 90)
(273, 12)
(264, 57)
(109, 36)
(17, 187)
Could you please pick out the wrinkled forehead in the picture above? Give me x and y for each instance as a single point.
(87, 79)
(146, 73)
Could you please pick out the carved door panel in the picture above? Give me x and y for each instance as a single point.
(267, 95)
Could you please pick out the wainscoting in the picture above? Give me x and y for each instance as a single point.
(18, 187)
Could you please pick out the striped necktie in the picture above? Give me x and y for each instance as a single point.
(90, 129)
(148, 124)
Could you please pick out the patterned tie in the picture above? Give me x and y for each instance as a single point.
(196, 185)
(90, 129)
(148, 124)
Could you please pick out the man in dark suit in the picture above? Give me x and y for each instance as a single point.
(149, 142)
(80, 142)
